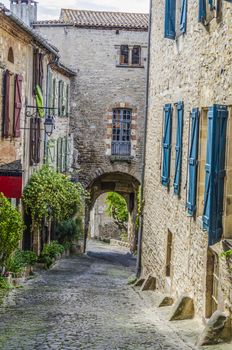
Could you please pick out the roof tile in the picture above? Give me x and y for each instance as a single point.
(84, 18)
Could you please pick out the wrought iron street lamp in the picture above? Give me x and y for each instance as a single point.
(49, 125)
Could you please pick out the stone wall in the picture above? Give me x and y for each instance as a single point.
(196, 69)
(101, 224)
(101, 85)
(17, 149)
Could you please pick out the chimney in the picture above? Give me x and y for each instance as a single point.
(26, 10)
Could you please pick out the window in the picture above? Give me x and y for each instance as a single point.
(130, 56)
(121, 133)
(175, 18)
(124, 55)
(12, 104)
(215, 172)
(10, 55)
(35, 140)
(202, 160)
(167, 139)
(193, 162)
(209, 9)
(136, 55)
(212, 283)
(38, 73)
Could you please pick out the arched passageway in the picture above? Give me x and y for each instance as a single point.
(124, 184)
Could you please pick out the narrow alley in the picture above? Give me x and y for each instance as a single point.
(84, 302)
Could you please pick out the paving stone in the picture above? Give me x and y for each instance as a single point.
(85, 303)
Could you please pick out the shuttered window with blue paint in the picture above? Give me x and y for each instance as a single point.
(215, 172)
(170, 19)
(183, 17)
(179, 143)
(167, 135)
(193, 162)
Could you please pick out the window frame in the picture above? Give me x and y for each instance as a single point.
(120, 146)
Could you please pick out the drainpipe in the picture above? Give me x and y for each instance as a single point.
(140, 237)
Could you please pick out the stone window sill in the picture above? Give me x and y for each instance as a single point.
(127, 159)
(129, 66)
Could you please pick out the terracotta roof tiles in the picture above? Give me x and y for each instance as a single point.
(102, 19)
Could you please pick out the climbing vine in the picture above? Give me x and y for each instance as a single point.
(52, 195)
(11, 229)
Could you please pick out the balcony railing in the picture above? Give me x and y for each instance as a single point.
(121, 148)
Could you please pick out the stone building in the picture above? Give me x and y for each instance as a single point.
(108, 51)
(28, 61)
(187, 183)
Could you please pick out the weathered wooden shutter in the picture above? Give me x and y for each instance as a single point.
(215, 172)
(64, 100)
(193, 162)
(17, 105)
(202, 11)
(60, 97)
(35, 70)
(170, 19)
(50, 91)
(179, 138)
(41, 72)
(6, 104)
(38, 140)
(69, 152)
(64, 154)
(167, 144)
(59, 155)
(183, 18)
(68, 100)
(32, 140)
(51, 153)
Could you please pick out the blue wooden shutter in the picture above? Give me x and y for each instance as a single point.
(202, 11)
(193, 162)
(167, 144)
(179, 137)
(183, 18)
(170, 19)
(215, 172)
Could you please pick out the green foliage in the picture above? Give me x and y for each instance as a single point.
(227, 254)
(117, 209)
(50, 252)
(21, 259)
(67, 245)
(11, 229)
(53, 249)
(69, 230)
(4, 284)
(52, 195)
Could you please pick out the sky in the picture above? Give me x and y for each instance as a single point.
(51, 8)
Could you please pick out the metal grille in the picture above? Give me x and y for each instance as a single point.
(121, 139)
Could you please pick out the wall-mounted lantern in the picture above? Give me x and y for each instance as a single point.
(49, 125)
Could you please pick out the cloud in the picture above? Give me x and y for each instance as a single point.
(52, 8)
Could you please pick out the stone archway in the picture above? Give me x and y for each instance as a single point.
(124, 184)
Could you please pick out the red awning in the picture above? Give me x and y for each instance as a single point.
(11, 186)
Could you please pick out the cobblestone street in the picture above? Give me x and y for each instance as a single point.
(84, 303)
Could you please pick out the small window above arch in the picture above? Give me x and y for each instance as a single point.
(10, 55)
